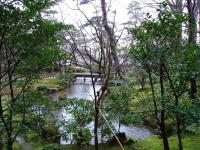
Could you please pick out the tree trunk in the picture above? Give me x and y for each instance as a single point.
(192, 32)
(198, 6)
(142, 82)
(178, 121)
(163, 131)
(180, 145)
(162, 116)
(153, 96)
(119, 125)
(112, 40)
(1, 139)
(96, 127)
(193, 88)
(1, 115)
(9, 142)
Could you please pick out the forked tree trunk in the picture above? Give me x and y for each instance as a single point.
(178, 120)
(112, 41)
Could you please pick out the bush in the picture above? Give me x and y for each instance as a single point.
(82, 137)
(52, 147)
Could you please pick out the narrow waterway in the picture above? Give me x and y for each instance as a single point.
(83, 89)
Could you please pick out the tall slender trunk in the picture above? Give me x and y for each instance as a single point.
(193, 88)
(162, 115)
(198, 6)
(178, 126)
(153, 96)
(96, 127)
(9, 141)
(1, 139)
(12, 101)
(161, 121)
(119, 124)
(1, 115)
(192, 33)
(178, 121)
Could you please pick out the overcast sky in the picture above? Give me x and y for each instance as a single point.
(70, 16)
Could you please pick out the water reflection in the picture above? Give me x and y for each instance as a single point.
(82, 89)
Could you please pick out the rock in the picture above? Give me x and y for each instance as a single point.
(116, 82)
(51, 90)
(130, 142)
(61, 88)
(121, 136)
(61, 97)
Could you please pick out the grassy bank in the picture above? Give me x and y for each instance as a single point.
(190, 142)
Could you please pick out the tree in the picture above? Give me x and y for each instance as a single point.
(28, 45)
(155, 41)
(192, 37)
(118, 103)
(111, 37)
(94, 51)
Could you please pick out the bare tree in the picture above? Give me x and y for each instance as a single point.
(112, 40)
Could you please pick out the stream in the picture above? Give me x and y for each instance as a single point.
(83, 89)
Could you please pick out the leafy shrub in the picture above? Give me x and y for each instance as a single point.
(82, 136)
(52, 147)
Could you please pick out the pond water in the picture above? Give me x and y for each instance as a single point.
(83, 89)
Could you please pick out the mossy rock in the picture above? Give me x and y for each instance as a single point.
(61, 88)
(51, 90)
(62, 96)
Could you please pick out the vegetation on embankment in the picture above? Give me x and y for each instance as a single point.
(190, 142)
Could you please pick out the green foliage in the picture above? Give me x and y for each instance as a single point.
(80, 112)
(41, 88)
(118, 101)
(52, 147)
(117, 104)
(67, 77)
(82, 137)
(155, 143)
(49, 83)
(51, 133)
